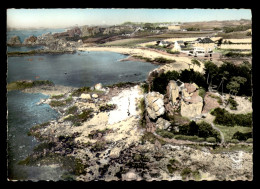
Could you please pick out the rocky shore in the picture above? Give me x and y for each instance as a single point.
(100, 136)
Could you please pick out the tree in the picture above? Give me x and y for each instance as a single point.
(223, 79)
(195, 62)
(233, 87)
(211, 70)
(219, 42)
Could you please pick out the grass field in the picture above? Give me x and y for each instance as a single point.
(229, 131)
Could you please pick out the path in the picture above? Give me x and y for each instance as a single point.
(221, 134)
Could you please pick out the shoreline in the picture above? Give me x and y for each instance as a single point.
(38, 52)
(181, 63)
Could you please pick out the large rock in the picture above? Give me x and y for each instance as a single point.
(191, 110)
(31, 40)
(74, 32)
(130, 176)
(191, 103)
(209, 103)
(15, 40)
(98, 86)
(154, 104)
(162, 124)
(89, 31)
(85, 96)
(190, 87)
(173, 91)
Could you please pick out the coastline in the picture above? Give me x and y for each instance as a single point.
(181, 63)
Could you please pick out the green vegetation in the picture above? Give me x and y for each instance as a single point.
(163, 60)
(160, 83)
(57, 96)
(33, 131)
(72, 110)
(122, 84)
(98, 146)
(192, 29)
(202, 92)
(233, 78)
(236, 28)
(57, 103)
(79, 118)
(237, 54)
(142, 120)
(217, 97)
(233, 104)
(37, 52)
(107, 107)
(81, 90)
(232, 148)
(223, 117)
(143, 58)
(186, 172)
(242, 136)
(145, 87)
(228, 132)
(211, 139)
(150, 137)
(19, 85)
(193, 131)
(94, 134)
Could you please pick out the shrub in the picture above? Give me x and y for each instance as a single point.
(249, 140)
(57, 96)
(79, 118)
(234, 141)
(142, 120)
(145, 87)
(107, 107)
(242, 136)
(233, 103)
(223, 117)
(98, 146)
(163, 60)
(211, 139)
(164, 133)
(72, 110)
(185, 173)
(19, 85)
(202, 92)
(217, 97)
(150, 137)
(56, 103)
(81, 90)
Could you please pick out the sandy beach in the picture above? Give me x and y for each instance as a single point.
(180, 64)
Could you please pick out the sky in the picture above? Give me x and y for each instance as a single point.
(59, 18)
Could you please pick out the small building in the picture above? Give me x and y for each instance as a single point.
(174, 27)
(178, 45)
(205, 43)
(164, 43)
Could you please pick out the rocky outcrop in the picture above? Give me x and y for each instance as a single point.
(154, 104)
(173, 91)
(209, 103)
(31, 40)
(74, 32)
(85, 96)
(15, 40)
(98, 86)
(191, 103)
(89, 31)
(162, 124)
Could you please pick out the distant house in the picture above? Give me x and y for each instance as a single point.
(174, 27)
(178, 45)
(205, 43)
(164, 43)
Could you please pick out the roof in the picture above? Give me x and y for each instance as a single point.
(205, 40)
